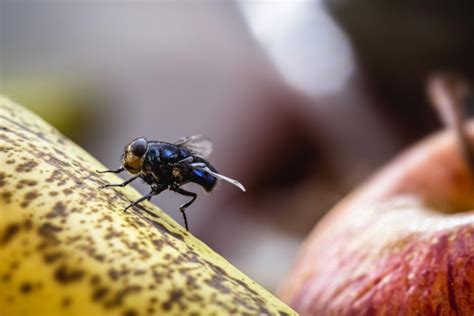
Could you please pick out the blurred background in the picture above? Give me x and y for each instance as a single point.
(303, 99)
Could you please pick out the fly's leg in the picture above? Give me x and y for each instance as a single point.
(158, 189)
(154, 191)
(183, 207)
(111, 171)
(120, 184)
(143, 198)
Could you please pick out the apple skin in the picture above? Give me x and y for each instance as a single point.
(403, 244)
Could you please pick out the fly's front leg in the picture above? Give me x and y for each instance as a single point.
(120, 184)
(183, 207)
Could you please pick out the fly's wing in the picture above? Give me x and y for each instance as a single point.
(197, 144)
(204, 167)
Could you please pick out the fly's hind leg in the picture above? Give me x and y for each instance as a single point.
(183, 207)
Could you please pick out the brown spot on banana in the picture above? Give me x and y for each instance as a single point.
(90, 257)
(27, 166)
(2, 179)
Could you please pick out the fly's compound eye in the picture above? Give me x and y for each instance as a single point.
(138, 147)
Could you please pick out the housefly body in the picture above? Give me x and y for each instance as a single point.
(168, 166)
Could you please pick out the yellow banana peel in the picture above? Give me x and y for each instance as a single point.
(67, 247)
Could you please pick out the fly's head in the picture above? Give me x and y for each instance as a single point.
(134, 155)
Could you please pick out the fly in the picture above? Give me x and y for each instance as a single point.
(168, 166)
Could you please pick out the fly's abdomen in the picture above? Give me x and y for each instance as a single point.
(204, 179)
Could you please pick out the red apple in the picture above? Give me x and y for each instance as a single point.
(403, 244)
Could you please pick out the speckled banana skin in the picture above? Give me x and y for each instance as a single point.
(67, 247)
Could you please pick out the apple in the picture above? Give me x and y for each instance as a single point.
(403, 244)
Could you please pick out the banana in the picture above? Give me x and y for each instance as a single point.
(67, 247)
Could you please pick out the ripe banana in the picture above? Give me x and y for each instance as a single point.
(67, 247)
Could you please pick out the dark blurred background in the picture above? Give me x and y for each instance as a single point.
(302, 99)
